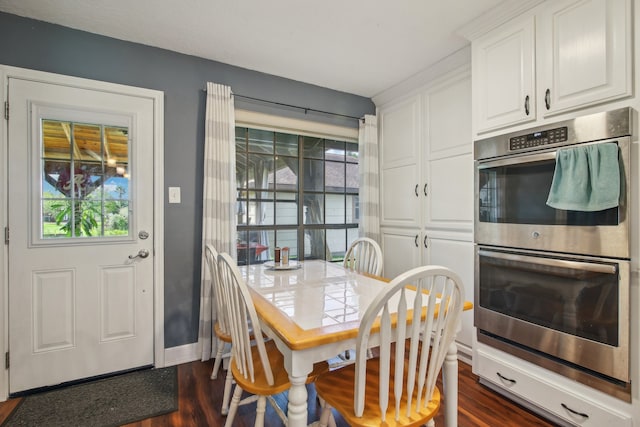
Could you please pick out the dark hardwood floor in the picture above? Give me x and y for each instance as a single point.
(200, 400)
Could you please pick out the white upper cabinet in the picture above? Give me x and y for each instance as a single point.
(585, 53)
(448, 163)
(504, 76)
(562, 56)
(399, 169)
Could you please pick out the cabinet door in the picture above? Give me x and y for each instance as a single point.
(584, 53)
(399, 170)
(448, 118)
(448, 163)
(449, 193)
(503, 76)
(455, 251)
(401, 249)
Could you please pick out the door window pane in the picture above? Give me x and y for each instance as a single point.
(85, 180)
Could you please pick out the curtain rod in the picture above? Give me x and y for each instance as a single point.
(305, 109)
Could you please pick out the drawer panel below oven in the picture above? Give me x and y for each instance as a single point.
(567, 406)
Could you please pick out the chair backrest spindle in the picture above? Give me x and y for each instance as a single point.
(364, 256)
(432, 294)
(243, 320)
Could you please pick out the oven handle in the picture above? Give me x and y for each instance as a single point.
(516, 160)
(574, 265)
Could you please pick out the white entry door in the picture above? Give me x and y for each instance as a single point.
(81, 292)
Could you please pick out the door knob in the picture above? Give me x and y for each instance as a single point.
(142, 253)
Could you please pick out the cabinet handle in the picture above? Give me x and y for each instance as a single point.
(547, 99)
(424, 190)
(416, 190)
(425, 242)
(503, 378)
(416, 241)
(581, 414)
(526, 104)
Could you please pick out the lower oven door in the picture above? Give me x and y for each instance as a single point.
(573, 309)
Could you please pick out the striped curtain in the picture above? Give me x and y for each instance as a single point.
(369, 179)
(218, 199)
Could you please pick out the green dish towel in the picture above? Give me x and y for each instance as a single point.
(586, 178)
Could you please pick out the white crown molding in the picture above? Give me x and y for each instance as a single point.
(459, 59)
(495, 17)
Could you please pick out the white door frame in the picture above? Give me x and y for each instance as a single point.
(158, 200)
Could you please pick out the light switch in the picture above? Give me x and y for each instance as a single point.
(174, 194)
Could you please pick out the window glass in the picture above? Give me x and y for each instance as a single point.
(85, 180)
(351, 152)
(275, 171)
(335, 210)
(334, 150)
(336, 243)
(313, 147)
(313, 175)
(260, 141)
(314, 208)
(286, 145)
(286, 208)
(334, 176)
(286, 176)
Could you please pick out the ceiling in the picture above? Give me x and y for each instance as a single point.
(357, 46)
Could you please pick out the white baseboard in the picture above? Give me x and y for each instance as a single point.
(188, 353)
(181, 354)
(465, 353)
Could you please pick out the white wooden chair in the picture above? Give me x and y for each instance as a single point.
(256, 365)
(398, 388)
(221, 326)
(364, 256)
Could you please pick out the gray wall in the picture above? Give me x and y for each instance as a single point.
(41, 46)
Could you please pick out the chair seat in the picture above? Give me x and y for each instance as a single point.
(281, 379)
(337, 389)
(226, 337)
(220, 334)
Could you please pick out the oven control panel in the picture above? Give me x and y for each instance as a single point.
(535, 139)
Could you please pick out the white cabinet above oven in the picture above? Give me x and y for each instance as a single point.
(561, 56)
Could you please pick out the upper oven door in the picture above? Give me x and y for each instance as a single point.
(511, 209)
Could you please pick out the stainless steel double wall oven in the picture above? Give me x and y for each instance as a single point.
(552, 285)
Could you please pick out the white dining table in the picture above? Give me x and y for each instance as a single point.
(313, 314)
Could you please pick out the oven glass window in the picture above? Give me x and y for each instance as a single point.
(572, 300)
(517, 194)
